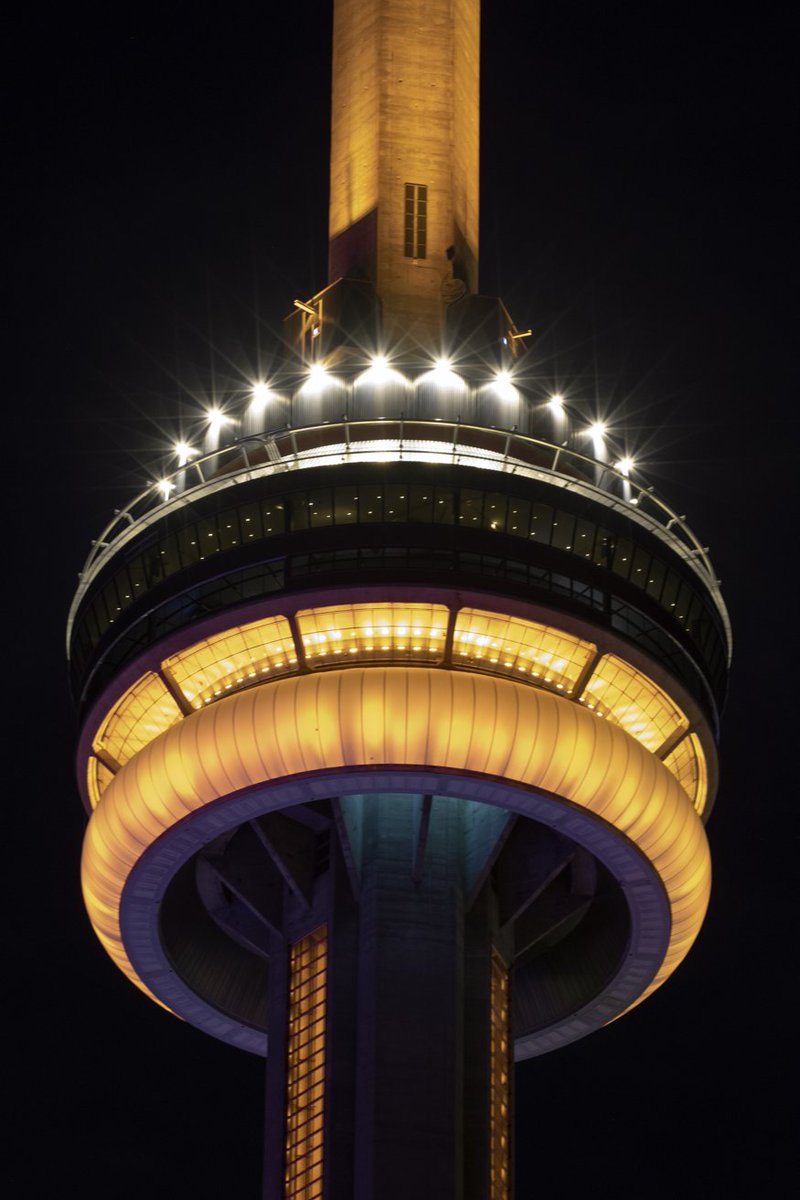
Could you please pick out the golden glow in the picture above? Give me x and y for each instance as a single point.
(374, 632)
(420, 716)
(355, 634)
(687, 762)
(625, 696)
(140, 714)
(499, 1089)
(405, 110)
(234, 659)
(98, 777)
(305, 1067)
(510, 646)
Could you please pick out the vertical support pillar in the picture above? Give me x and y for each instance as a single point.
(408, 1069)
(275, 1104)
(409, 1137)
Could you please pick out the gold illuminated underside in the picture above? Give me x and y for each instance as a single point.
(452, 721)
(354, 634)
(305, 1067)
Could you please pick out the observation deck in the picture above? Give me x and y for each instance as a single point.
(367, 519)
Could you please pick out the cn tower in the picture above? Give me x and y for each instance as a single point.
(399, 695)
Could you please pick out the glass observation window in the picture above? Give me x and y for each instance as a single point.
(98, 777)
(373, 632)
(237, 658)
(687, 762)
(368, 503)
(144, 711)
(624, 696)
(510, 646)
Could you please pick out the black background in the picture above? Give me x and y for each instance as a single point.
(167, 198)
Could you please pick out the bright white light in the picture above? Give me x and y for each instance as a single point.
(380, 372)
(444, 375)
(216, 419)
(503, 386)
(184, 452)
(260, 396)
(556, 402)
(597, 430)
(166, 487)
(625, 466)
(318, 378)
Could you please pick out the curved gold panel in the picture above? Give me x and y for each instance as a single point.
(372, 632)
(415, 716)
(506, 645)
(227, 661)
(354, 634)
(625, 696)
(688, 764)
(141, 713)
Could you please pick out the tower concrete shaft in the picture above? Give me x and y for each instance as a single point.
(405, 156)
(398, 711)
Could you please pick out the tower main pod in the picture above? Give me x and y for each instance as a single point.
(399, 712)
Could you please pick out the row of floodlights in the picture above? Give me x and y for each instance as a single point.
(381, 372)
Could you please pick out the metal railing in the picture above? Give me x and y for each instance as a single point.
(418, 439)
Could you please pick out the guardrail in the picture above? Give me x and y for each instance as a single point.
(416, 439)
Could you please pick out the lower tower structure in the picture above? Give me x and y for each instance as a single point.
(397, 732)
(398, 710)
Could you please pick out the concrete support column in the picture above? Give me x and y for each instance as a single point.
(409, 1066)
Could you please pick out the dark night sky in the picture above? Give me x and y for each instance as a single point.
(168, 190)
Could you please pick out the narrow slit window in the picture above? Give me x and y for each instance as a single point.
(416, 220)
(499, 1084)
(305, 1077)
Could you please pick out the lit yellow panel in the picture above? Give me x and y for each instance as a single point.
(625, 697)
(305, 1067)
(140, 714)
(98, 777)
(499, 1085)
(373, 632)
(362, 717)
(687, 762)
(528, 651)
(236, 658)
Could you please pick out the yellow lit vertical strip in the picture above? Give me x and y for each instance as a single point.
(687, 762)
(98, 777)
(305, 1074)
(499, 1083)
